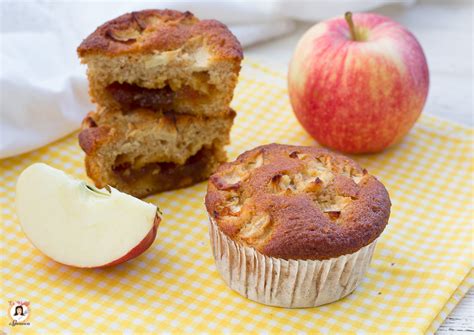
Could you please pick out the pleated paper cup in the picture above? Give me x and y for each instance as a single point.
(287, 283)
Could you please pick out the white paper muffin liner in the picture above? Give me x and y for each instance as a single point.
(287, 283)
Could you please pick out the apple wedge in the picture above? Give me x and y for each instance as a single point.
(80, 225)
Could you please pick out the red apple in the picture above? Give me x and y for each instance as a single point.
(358, 83)
(79, 225)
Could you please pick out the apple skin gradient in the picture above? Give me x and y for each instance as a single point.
(141, 247)
(358, 96)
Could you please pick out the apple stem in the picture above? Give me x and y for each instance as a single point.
(95, 190)
(348, 17)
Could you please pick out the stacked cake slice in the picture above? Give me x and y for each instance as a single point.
(163, 81)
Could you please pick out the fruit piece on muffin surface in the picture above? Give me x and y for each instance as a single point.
(294, 202)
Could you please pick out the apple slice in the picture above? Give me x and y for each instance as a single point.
(80, 225)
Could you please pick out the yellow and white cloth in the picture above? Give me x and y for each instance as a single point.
(420, 270)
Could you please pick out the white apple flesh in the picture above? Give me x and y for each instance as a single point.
(79, 225)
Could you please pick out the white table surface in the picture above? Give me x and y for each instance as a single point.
(445, 31)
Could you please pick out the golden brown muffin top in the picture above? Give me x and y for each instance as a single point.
(296, 202)
(154, 30)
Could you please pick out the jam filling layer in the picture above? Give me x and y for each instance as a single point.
(131, 96)
(193, 166)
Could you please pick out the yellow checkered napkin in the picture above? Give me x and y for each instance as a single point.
(420, 269)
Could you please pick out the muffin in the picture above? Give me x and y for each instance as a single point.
(141, 153)
(163, 60)
(294, 226)
(162, 81)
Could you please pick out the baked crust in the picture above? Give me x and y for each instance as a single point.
(154, 30)
(107, 126)
(295, 202)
